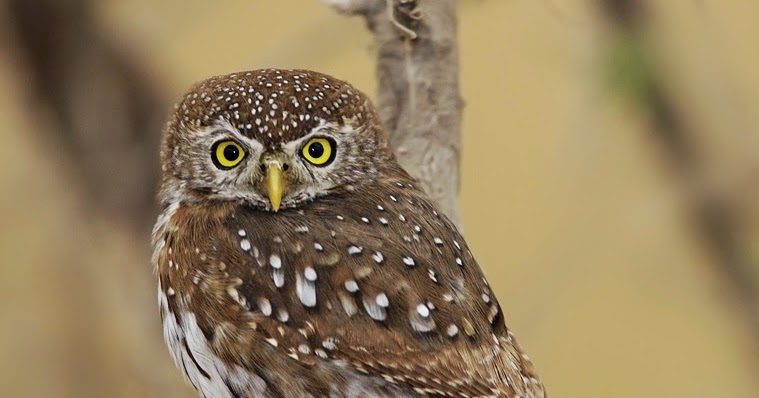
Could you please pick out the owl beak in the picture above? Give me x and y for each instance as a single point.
(275, 184)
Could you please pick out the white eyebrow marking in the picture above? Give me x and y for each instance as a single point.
(223, 124)
(324, 128)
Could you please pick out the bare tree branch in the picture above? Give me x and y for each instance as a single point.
(102, 114)
(716, 215)
(106, 108)
(418, 96)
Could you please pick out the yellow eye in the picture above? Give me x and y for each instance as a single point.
(227, 154)
(319, 151)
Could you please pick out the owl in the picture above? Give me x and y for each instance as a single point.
(296, 258)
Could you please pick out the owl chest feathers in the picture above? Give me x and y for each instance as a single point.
(348, 297)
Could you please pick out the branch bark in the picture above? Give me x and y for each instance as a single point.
(418, 96)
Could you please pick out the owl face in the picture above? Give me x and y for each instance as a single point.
(271, 138)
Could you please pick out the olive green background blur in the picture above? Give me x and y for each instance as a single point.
(585, 223)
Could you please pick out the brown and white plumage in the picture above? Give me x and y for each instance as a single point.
(356, 287)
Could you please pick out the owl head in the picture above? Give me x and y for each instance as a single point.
(271, 138)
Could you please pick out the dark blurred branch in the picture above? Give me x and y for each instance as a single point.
(715, 214)
(106, 111)
(97, 108)
(418, 96)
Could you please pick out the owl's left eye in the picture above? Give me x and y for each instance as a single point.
(319, 151)
(227, 154)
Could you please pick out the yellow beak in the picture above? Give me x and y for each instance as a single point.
(275, 184)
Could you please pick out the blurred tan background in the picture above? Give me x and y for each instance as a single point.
(610, 180)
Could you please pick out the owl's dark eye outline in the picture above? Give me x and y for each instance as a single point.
(227, 154)
(319, 151)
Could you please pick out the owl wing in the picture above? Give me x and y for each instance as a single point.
(391, 289)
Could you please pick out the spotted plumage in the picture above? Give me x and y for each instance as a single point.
(295, 258)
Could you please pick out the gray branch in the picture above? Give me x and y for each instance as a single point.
(418, 96)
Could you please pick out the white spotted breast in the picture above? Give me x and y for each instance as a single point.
(385, 284)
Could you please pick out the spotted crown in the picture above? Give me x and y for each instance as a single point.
(272, 105)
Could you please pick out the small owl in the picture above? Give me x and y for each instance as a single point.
(296, 258)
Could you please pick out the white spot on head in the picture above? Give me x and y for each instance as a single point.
(245, 244)
(378, 258)
(275, 261)
(459, 261)
(383, 220)
(354, 250)
(241, 232)
(452, 330)
(409, 261)
(438, 241)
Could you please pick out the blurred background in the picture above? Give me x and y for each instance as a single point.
(610, 180)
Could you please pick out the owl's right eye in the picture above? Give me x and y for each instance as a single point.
(227, 154)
